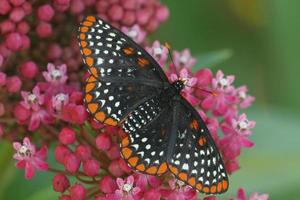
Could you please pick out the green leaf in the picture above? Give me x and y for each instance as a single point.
(212, 58)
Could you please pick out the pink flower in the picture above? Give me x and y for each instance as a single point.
(245, 100)
(241, 195)
(221, 97)
(236, 136)
(32, 100)
(143, 181)
(135, 32)
(126, 190)
(74, 113)
(187, 92)
(37, 117)
(159, 53)
(28, 158)
(183, 59)
(179, 191)
(59, 101)
(56, 75)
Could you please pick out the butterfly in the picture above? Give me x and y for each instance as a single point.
(127, 87)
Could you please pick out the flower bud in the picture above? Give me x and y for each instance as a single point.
(60, 153)
(103, 141)
(13, 84)
(60, 183)
(107, 184)
(91, 167)
(83, 152)
(67, 136)
(29, 69)
(71, 163)
(77, 192)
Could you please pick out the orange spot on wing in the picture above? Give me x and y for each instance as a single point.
(84, 29)
(219, 187)
(93, 107)
(126, 152)
(100, 116)
(93, 71)
(88, 98)
(162, 168)
(194, 124)
(183, 176)
(142, 62)
(87, 23)
(86, 51)
(83, 43)
(192, 181)
(205, 189)
(152, 170)
(141, 167)
(224, 184)
(111, 122)
(91, 18)
(213, 189)
(125, 142)
(133, 161)
(82, 36)
(173, 169)
(91, 79)
(128, 51)
(89, 61)
(199, 186)
(89, 87)
(202, 141)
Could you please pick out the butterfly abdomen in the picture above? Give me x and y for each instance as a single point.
(143, 115)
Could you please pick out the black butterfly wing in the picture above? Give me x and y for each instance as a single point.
(148, 128)
(194, 158)
(126, 72)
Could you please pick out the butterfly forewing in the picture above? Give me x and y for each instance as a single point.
(195, 158)
(108, 53)
(122, 73)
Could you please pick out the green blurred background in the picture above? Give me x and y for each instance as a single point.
(256, 40)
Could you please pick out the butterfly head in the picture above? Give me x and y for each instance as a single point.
(179, 84)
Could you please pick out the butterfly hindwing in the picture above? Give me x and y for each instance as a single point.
(195, 159)
(148, 128)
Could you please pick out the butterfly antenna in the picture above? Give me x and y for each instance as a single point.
(171, 58)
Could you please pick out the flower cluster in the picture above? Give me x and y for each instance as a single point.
(41, 98)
